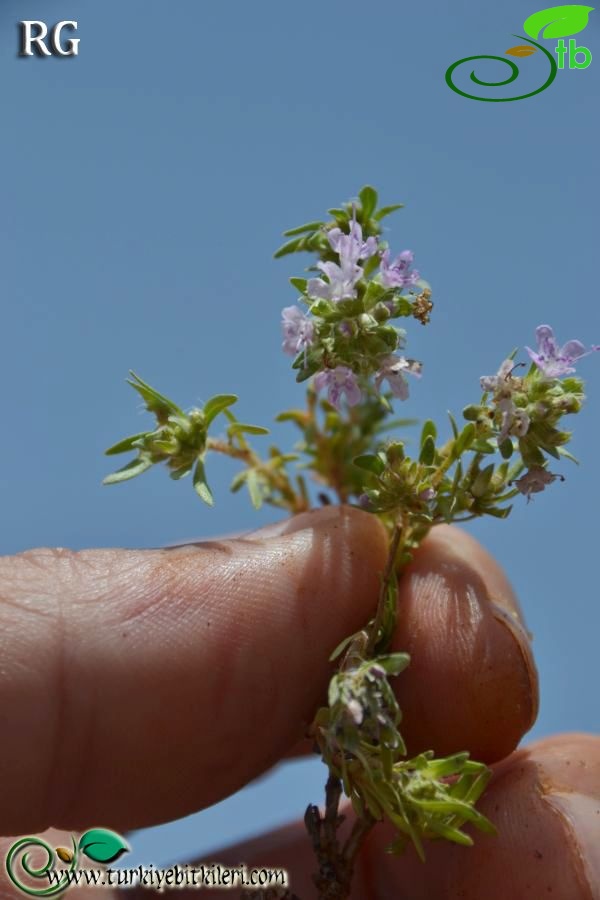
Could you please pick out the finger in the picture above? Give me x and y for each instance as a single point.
(545, 803)
(138, 686)
(472, 682)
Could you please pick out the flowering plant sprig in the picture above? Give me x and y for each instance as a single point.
(343, 335)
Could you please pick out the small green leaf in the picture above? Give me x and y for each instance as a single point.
(253, 482)
(288, 248)
(300, 229)
(453, 425)
(200, 484)
(155, 402)
(482, 481)
(557, 21)
(216, 405)
(568, 455)
(133, 468)
(126, 444)
(464, 440)
(368, 201)
(429, 429)
(102, 845)
(373, 295)
(238, 481)
(427, 454)
(370, 463)
(499, 512)
(386, 210)
(506, 448)
(300, 284)
(241, 428)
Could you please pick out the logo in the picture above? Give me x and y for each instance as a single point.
(554, 22)
(35, 35)
(98, 844)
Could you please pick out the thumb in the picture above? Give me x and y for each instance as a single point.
(139, 686)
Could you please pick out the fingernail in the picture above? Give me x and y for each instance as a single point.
(581, 814)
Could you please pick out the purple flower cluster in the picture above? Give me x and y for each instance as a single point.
(339, 283)
(342, 278)
(552, 360)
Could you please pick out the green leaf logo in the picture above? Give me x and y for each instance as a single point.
(557, 21)
(102, 845)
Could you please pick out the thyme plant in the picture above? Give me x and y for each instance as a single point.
(346, 344)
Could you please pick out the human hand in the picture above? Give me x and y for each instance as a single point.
(139, 686)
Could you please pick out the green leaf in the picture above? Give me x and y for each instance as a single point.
(506, 448)
(386, 210)
(370, 463)
(155, 402)
(300, 284)
(238, 481)
(373, 295)
(241, 428)
(126, 444)
(368, 201)
(393, 663)
(300, 229)
(253, 482)
(216, 405)
(102, 845)
(200, 484)
(429, 429)
(427, 454)
(557, 21)
(499, 512)
(453, 425)
(288, 248)
(133, 468)
(464, 440)
(568, 455)
(482, 481)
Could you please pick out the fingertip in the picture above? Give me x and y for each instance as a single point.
(472, 683)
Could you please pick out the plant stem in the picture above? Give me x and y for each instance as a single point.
(385, 583)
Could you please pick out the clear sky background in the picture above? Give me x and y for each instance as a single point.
(144, 186)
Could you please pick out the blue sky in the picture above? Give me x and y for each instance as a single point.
(144, 188)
